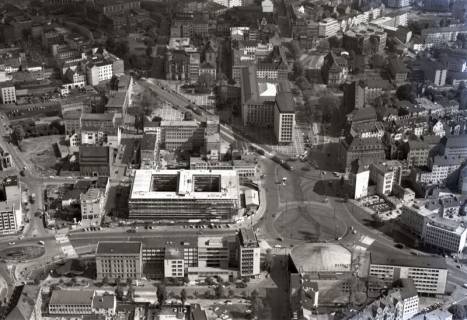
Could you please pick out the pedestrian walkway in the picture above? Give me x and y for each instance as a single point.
(65, 246)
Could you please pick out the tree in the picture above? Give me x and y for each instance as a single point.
(119, 292)
(458, 312)
(183, 296)
(130, 294)
(105, 281)
(231, 293)
(405, 92)
(206, 80)
(129, 282)
(220, 292)
(161, 294)
(268, 261)
(18, 134)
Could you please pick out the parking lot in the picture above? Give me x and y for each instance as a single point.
(376, 204)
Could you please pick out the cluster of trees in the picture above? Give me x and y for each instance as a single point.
(28, 129)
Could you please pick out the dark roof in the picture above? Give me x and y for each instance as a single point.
(285, 102)
(248, 237)
(10, 181)
(89, 155)
(408, 289)
(148, 142)
(408, 261)
(118, 247)
(197, 313)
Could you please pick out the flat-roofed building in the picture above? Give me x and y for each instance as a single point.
(184, 135)
(429, 274)
(92, 207)
(119, 260)
(184, 195)
(284, 117)
(249, 253)
(8, 221)
(386, 175)
(8, 93)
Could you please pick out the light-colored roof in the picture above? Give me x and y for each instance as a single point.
(321, 257)
(143, 184)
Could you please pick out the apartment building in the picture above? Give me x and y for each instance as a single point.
(8, 92)
(386, 175)
(397, 4)
(328, 28)
(284, 117)
(99, 72)
(119, 260)
(419, 152)
(249, 253)
(456, 146)
(184, 195)
(429, 274)
(443, 166)
(441, 36)
(365, 39)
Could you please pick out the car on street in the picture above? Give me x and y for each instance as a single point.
(399, 246)
(465, 285)
(41, 242)
(11, 243)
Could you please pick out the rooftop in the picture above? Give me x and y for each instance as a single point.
(118, 247)
(408, 261)
(72, 297)
(105, 301)
(321, 257)
(248, 237)
(185, 184)
(457, 141)
(285, 102)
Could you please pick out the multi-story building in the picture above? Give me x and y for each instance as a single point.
(8, 92)
(442, 167)
(148, 151)
(456, 146)
(72, 122)
(94, 161)
(335, 69)
(386, 175)
(92, 207)
(184, 195)
(429, 274)
(397, 304)
(99, 72)
(185, 135)
(441, 36)
(174, 263)
(119, 260)
(8, 220)
(397, 3)
(257, 99)
(284, 117)
(249, 253)
(72, 302)
(115, 7)
(328, 28)
(361, 152)
(419, 152)
(69, 302)
(436, 223)
(365, 39)
(246, 170)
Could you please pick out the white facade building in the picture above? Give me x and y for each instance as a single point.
(8, 94)
(328, 28)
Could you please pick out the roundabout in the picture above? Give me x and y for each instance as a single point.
(22, 253)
